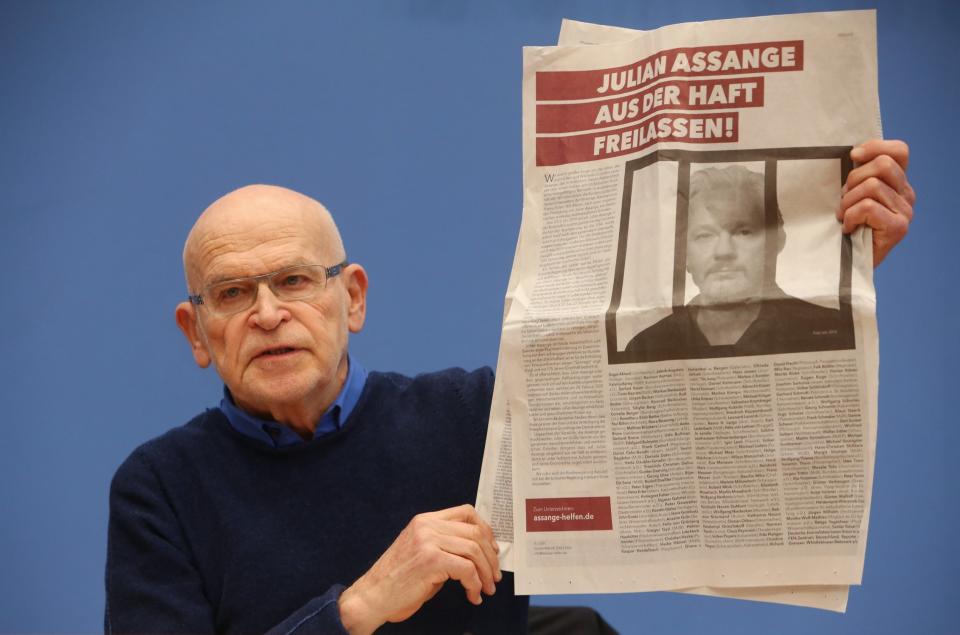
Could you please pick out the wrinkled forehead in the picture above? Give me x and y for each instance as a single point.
(727, 208)
(253, 232)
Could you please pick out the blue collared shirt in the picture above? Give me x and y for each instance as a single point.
(278, 435)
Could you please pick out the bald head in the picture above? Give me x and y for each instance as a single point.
(255, 215)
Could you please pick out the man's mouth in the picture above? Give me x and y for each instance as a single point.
(273, 352)
(725, 271)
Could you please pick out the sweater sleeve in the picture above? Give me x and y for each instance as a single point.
(152, 582)
(319, 616)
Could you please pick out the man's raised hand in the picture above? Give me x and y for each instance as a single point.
(877, 194)
(452, 543)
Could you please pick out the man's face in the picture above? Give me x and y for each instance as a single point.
(276, 354)
(725, 248)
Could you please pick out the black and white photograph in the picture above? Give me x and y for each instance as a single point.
(731, 253)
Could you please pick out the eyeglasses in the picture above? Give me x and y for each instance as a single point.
(300, 282)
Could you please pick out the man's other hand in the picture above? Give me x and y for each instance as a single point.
(877, 194)
(452, 543)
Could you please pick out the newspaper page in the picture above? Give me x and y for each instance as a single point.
(834, 598)
(678, 423)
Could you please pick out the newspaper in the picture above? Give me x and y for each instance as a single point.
(650, 453)
(832, 598)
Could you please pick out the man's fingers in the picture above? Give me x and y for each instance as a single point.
(474, 552)
(880, 192)
(486, 542)
(465, 572)
(463, 513)
(894, 148)
(888, 228)
(868, 212)
(462, 534)
(883, 168)
(461, 531)
(468, 514)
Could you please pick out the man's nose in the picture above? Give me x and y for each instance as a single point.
(724, 247)
(268, 311)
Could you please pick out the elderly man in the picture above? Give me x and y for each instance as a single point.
(731, 254)
(303, 502)
(252, 515)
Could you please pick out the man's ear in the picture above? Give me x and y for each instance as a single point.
(186, 315)
(355, 281)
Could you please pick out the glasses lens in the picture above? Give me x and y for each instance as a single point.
(231, 296)
(298, 283)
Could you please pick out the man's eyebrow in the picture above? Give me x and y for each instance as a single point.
(218, 278)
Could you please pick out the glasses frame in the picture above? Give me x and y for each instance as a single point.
(329, 272)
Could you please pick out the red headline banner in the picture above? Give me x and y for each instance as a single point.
(722, 127)
(569, 514)
(734, 59)
(703, 94)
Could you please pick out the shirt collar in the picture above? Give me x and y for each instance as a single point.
(277, 435)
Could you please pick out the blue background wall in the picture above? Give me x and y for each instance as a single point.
(120, 121)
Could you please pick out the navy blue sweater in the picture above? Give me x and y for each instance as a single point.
(211, 531)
